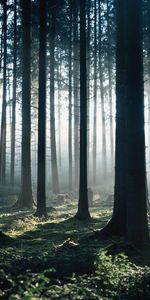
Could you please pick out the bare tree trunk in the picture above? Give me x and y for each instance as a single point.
(76, 95)
(55, 181)
(41, 172)
(148, 31)
(95, 97)
(110, 83)
(1, 47)
(59, 111)
(104, 152)
(3, 119)
(70, 101)
(83, 211)
(117, 224)
(130, 214)
(137, 227)
(25, 198)
(88, 82)
(13, 127)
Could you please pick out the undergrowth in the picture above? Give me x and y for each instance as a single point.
(60, 258)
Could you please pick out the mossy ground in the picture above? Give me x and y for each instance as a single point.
(61, 258)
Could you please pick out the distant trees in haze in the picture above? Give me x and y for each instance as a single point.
(59, 33)
(70, 65)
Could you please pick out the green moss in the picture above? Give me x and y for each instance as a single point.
(41, 263)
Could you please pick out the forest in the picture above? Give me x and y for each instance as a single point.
(74, 149)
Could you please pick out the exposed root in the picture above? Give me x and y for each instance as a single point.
(111, 229)
(65, 245)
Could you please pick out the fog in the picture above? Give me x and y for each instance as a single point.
(104, 174)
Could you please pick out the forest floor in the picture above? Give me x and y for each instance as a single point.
(61, 258)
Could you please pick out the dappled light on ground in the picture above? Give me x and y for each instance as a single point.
(58, 257)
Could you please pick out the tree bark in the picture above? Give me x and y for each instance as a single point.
(95, 97)
(129, 217)
(25, 197)
(117, 224)
(3, 118)
(55, 181)
(70, 99)
(13, 126)
(76, 94)
(41, 172)
(83, 211)
(101, 76)
(110, 83)
(88, 82)
(59, 110)
(137, 228)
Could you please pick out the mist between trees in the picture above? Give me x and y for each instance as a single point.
(71, 77)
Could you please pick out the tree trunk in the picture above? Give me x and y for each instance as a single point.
(59, 111)
(13, 127)
(1, 48)
(88, 83)
(95, 97)
(3, 118)
(104, 152)
(25, 198)
(117, 224)
(55, 181)
(148, 70)
(83, 211)
(70, 100)
(76, 94)
(129, 215)
(137, 229)
(119, 214)
(41, 173)
(110, 83)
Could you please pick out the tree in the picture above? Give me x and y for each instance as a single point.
(70, 98)
(13, 126)
(109, 61)
(101, 77)
(75, 92)
(137, 228)
(3, 119)
(117, 224)
(55, 180)
(129, 217)
(83, 212)
(59, 107)
(95, 96)
(41, 191)
(88, 80)
(25, 197)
